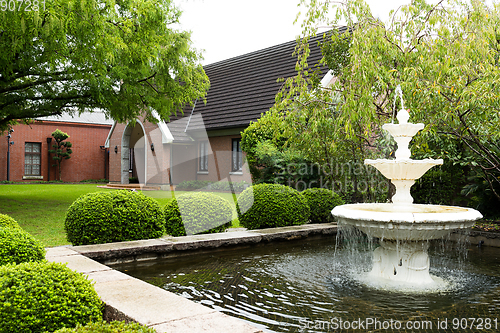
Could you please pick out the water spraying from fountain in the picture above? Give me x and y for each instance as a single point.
(402, 227)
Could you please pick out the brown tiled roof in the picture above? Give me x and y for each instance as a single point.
(244, 87)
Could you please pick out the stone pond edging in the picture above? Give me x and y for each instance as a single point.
(127, 298)
(484, 238)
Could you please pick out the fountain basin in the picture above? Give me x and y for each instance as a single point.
(406, 222)
(403, 169)
(403, 130)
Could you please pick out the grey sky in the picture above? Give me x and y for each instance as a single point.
(228, 28)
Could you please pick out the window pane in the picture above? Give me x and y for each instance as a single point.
(32, 158)
(203, 156)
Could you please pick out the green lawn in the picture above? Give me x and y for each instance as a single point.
(40, 209)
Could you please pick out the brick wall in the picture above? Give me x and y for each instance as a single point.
(87, 160)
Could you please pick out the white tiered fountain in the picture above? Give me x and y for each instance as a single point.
(404, 228)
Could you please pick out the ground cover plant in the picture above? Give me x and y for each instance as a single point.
(7, 221)
(111, 327)
(40, 297)
(17, 246)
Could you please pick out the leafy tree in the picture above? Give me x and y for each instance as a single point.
(445, 57)
(122, 56)
(62, 149)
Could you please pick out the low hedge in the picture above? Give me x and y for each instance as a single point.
(7, 221)
(115, 216)
(271, 205)
(197, 213)
(17, 246)
(105, 327)
(43, 296)
(190, 185)
(321, 201)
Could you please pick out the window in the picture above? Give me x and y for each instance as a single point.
(237, 156)
(32, 158)
(203, 156)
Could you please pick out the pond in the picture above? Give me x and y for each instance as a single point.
(315, 286)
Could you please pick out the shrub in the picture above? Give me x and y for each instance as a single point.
(7, 221)
(189, 185)
(321, 201)
(271, 205)
(115, 216)
(42, 296)
(229, 186)
(197, 212)
(112, 327)
(17, 246)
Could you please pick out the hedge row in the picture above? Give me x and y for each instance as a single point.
(190, 185)
(123, 215)
(274, 205)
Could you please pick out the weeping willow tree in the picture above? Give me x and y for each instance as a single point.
(445, 56)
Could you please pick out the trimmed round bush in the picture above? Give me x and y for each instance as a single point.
(7, 221)
(116, 216)
(43, 296)
(17, 246)
(271, 205)
(321, 201)
(197, 213)
(112, 327)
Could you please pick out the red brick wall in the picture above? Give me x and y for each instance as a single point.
(87, 160)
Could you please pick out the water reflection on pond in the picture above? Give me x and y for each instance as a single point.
(301, 286)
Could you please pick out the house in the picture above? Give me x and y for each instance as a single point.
(29, 158)
(204, 142)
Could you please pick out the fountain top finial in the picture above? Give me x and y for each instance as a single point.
(403, 116)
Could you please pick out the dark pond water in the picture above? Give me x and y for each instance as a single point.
(312, 286)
